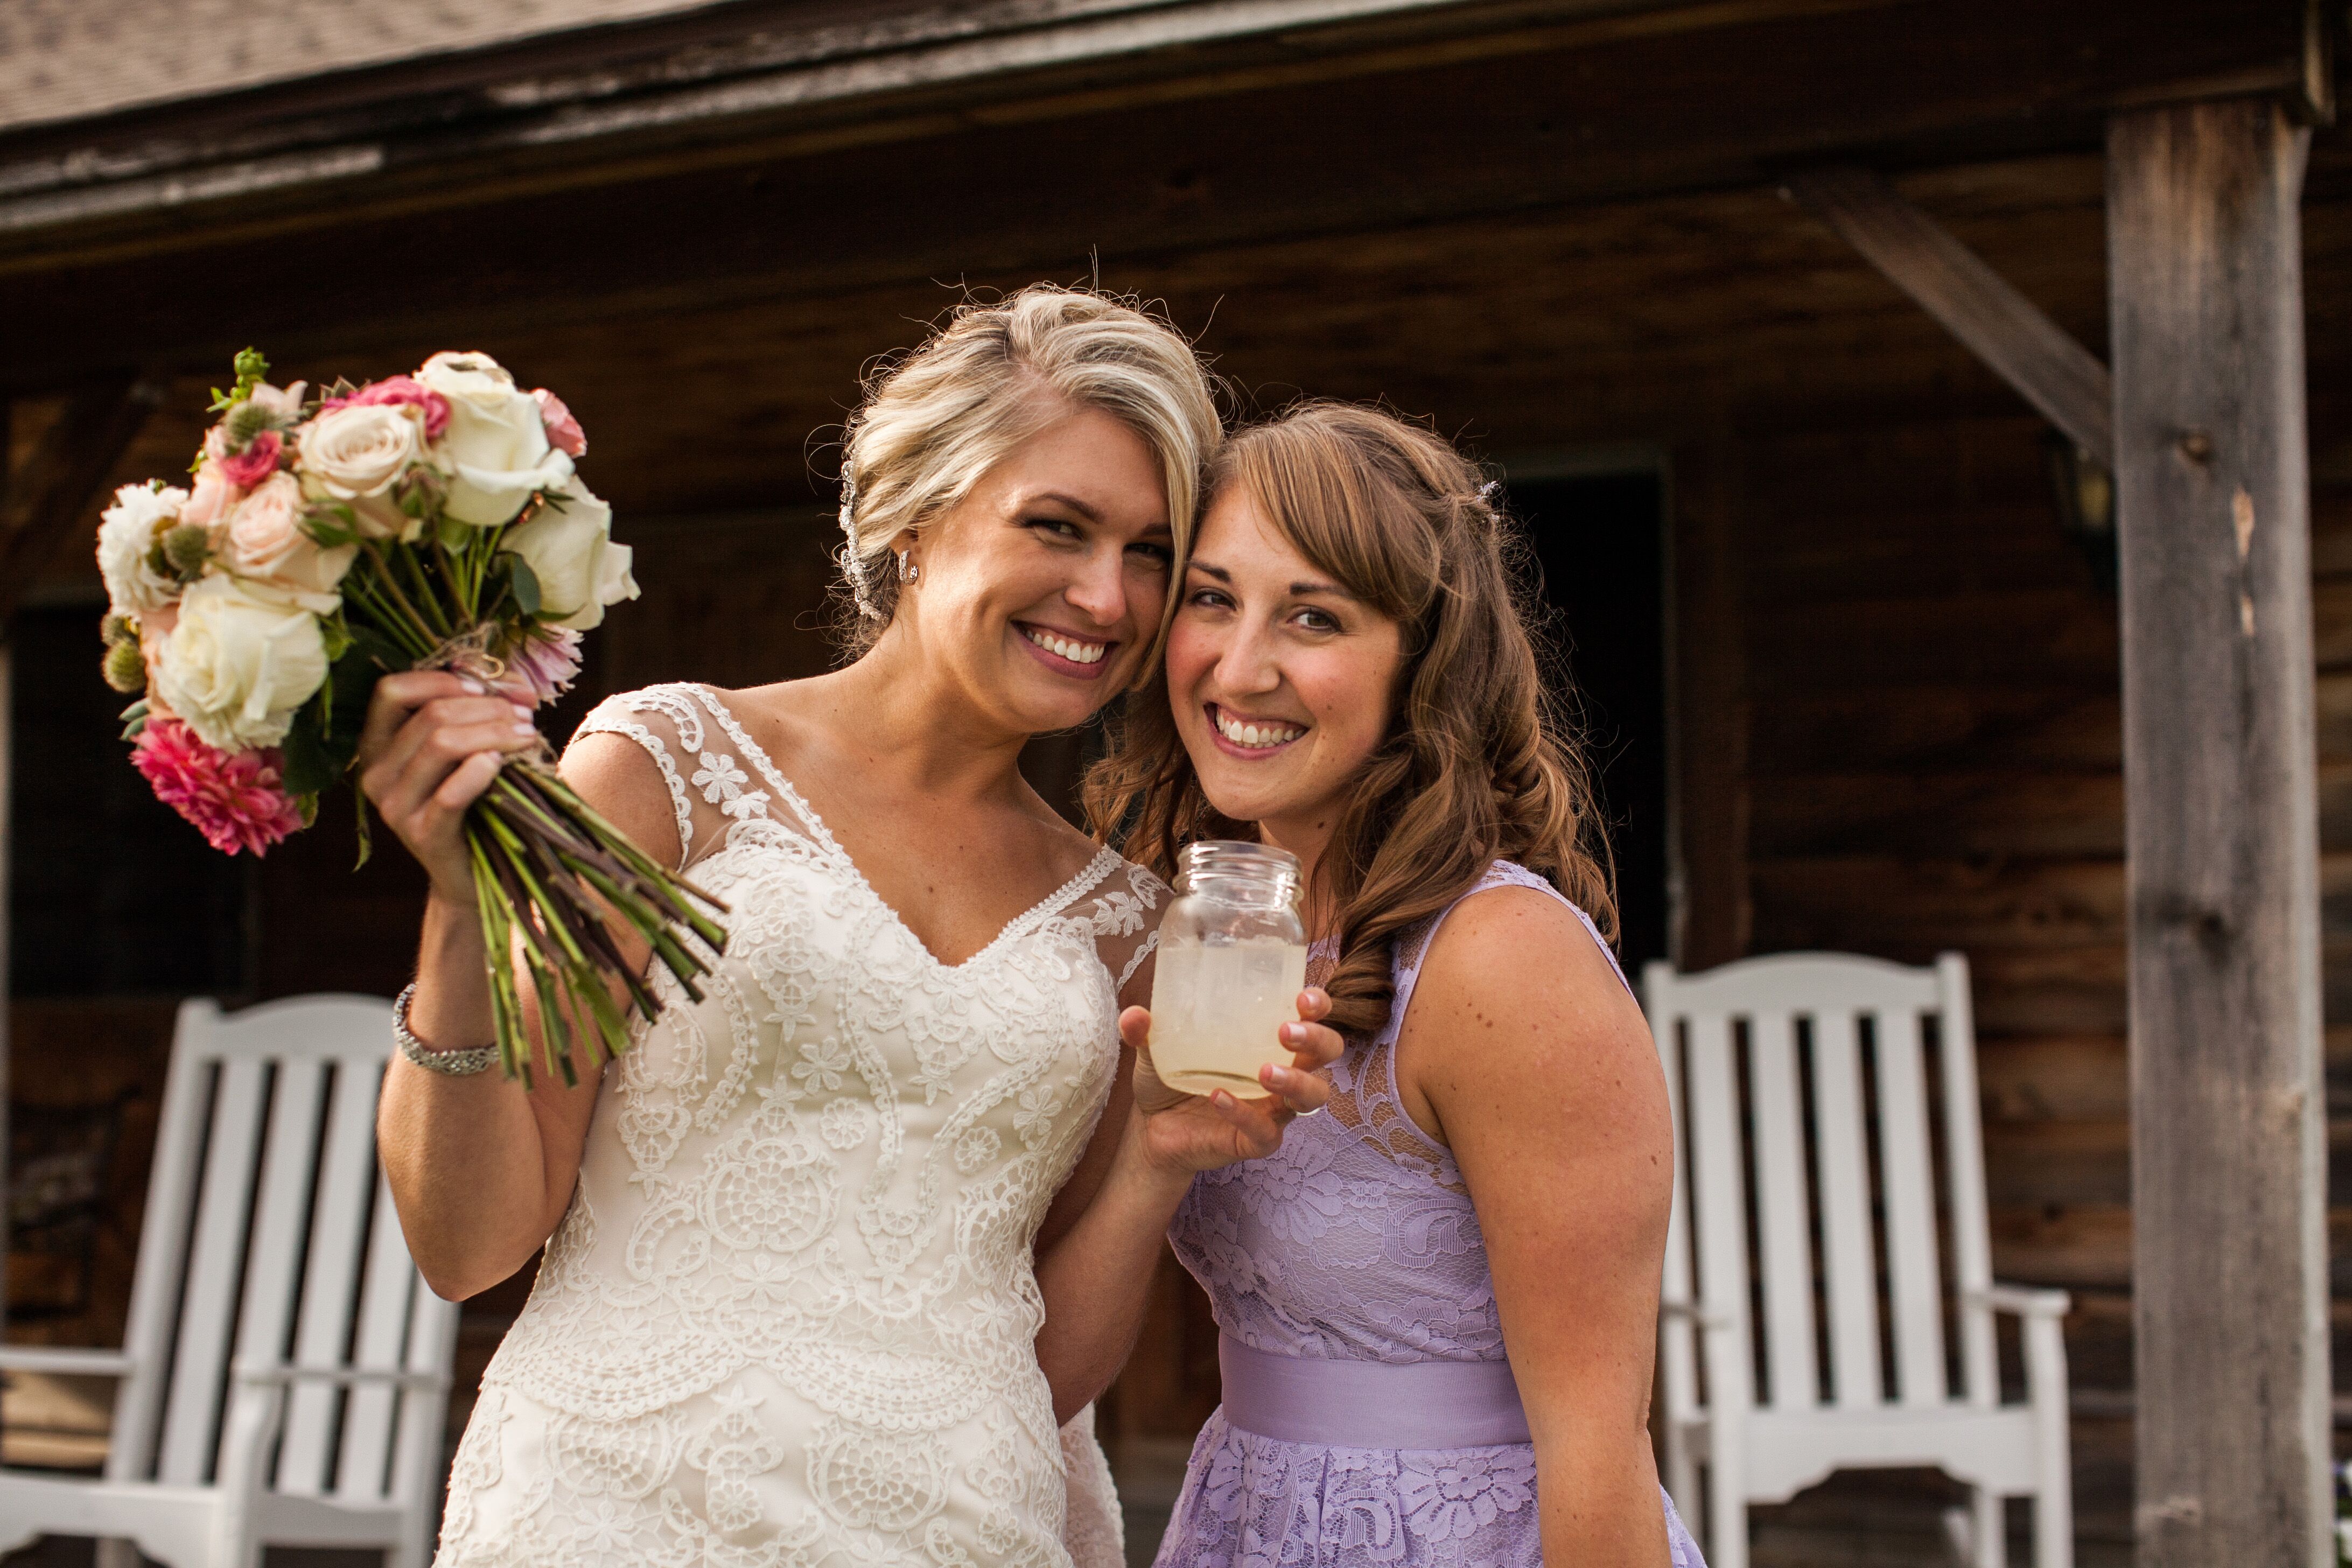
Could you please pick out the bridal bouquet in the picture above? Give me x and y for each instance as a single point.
(425, 522)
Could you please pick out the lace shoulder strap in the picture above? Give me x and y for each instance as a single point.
(697, 759)
(1125, 914)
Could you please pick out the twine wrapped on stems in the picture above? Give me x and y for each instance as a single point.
(551, 876)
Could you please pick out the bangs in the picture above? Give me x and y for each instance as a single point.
(1336, 502)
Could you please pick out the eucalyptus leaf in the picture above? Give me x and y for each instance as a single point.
(526, 586)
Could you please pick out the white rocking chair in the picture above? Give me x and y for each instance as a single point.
(284, 1372)
(1861, 1067)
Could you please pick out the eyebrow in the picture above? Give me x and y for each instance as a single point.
(1073, 502)
(1297, 590)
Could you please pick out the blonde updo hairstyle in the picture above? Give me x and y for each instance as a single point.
(1480, 760)
(935, 421)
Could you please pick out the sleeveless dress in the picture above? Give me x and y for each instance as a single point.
(1355, 1242)
(788, 1321)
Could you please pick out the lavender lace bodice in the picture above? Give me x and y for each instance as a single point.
(1356, 1240)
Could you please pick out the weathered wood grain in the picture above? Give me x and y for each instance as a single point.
(2204, 259)
(1976, 304)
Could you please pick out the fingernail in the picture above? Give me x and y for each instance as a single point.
(470, 684)
(1291, 1034)
(525, 727)
(523, 710)
(1219, 1098)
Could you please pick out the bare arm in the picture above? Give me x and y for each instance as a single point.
(481, 1170)
(1100, 1241)
(1538, 1073)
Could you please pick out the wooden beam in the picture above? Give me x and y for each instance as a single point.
(2229, 1178)
(50, 500)
(2000, 326)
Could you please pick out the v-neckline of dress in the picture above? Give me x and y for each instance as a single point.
(1106, 859)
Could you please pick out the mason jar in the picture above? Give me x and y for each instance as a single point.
(1232, 959)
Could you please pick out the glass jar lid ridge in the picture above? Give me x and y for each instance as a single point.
(1239, 871)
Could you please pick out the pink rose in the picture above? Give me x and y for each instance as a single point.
(399, 389)
(246, 469)
(563, 432)
(210, 497)
(264, 542)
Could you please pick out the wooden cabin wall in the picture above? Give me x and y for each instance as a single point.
(1933, 758)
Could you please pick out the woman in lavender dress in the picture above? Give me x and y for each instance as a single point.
(1436, 1301)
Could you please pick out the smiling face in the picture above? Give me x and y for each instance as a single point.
(1282, 682)
(1038, 594)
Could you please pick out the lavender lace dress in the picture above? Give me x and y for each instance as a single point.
(1356, 1244)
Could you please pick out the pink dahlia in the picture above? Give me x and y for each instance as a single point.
(395, 389)
(234, 798)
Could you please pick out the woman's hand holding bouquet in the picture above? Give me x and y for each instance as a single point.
(424, 523)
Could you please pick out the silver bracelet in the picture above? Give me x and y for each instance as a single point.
(449, 1064)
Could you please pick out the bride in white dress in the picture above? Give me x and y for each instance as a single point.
(789, 1313)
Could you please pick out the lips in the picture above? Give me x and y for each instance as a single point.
(1254, 734)
(1079, 657)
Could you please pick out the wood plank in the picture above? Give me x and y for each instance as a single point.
(1924, 728)
(2204, 265)
(1977, 305)
(48, 503)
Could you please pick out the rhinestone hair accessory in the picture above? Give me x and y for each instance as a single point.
(1486, 491)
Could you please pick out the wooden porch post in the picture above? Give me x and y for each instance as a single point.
(2229, 1176)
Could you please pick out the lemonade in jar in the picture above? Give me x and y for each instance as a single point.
(1232, 959)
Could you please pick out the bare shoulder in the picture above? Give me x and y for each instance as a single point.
(1514, 994)
(621, 782)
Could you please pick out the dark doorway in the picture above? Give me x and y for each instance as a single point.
(1598, 538)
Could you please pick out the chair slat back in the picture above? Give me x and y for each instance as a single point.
(1850, 1256)
(268, 1239)
(347, 1184)
(1718, 1186)
(1839, 1039)
(386, 1304)
(192, 1410)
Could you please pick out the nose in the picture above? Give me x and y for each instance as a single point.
(1099, 590)
(1246, 665)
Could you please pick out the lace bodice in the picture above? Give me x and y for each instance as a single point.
(1356, 1240)
(789, 1316)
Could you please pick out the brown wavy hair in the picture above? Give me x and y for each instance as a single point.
(1480, 760)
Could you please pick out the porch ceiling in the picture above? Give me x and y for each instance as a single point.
(1487, 114)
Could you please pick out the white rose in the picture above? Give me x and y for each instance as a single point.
(239, 663)
(262, 539)
(356, 455)
(569, 545)
(495, 449)
(127, 533)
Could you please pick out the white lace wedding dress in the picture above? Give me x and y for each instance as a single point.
(788, 1321)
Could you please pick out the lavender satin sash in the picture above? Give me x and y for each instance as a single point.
(1370, 1404)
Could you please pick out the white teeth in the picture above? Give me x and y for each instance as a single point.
(1075, 652)
(1242, 734)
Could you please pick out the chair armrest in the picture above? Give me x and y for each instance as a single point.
(1705, 1317)
(2023, 1300)
(65, 1361)
(350, 1376)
